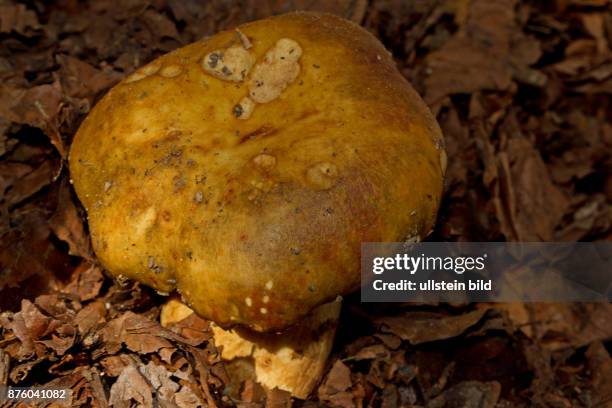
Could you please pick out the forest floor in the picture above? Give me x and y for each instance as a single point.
(522, 91)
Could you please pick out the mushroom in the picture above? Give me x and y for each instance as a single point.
(293, 360)
(244, 171)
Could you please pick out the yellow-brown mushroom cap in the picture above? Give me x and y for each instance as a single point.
(249, 186)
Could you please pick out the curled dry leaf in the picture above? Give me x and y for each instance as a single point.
(557, 326)
(138, 333)
(17, 18)
(335, 388)
(600, 366)
(422, 327)
(38, 107)
(81, 80)
(539, 205)
(85, 282)
(28, 325)
(31, 183)
(91, 316)
(468, 394)
(480, 48)
(131, 387)
(67, 224)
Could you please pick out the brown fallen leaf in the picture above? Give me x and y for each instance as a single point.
(557, 326)
(160, 25)
(131, 387)
(10, 173)
(85, 282)
(67, 224)
(535, 206)
(164, 388)
(58, 306)
(114, 365)
(468, 394)
(91, 392)
(81, 80)
(276, 398)
(339, 377)
(90, 317)
(30, 264)
(477, 56)
(16, 17)
(594, 24)
(38, 107)
(85, 388)
(62, 339)
(600, 367)
(28, 325)
(187, 398)
(193, 328)
(137, 333)
(390, 396)
(252, 392)
(5, 365)
(389, 340)
(423, 327)
(371, 352)
(335, 388)
(31, 183)
(349, 9)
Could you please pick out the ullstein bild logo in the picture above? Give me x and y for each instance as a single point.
(486, 272)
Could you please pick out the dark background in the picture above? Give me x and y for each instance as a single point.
(522, 93)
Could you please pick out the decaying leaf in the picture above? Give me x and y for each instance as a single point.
(138, 333)
(421, 327)
(468, 394)
(522, 93)
(67, 224)
(131, 387)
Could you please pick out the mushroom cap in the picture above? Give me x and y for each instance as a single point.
(256, 213)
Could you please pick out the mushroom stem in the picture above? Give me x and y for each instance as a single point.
(293, 360)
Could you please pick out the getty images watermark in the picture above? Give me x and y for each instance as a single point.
(486, 272)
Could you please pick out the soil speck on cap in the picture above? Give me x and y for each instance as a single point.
(279, 68)
(264, 161)
(237, 110)
(231, 64)
(179, 183)
(152, 265)
(244, 109)
(322, 176)
(213, 59)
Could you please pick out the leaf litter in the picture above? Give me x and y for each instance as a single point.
(522, 92)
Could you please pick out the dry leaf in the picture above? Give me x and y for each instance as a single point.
(68, 226)
(422, 327)
(131, 387)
